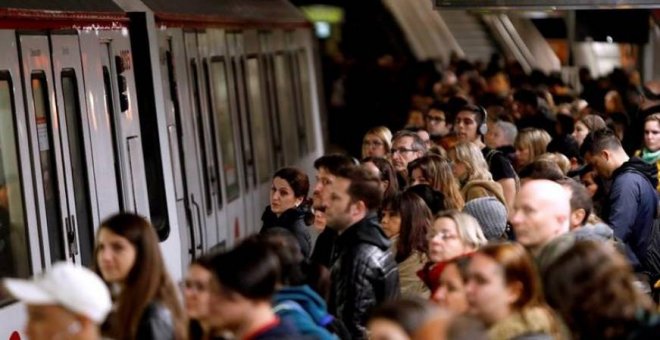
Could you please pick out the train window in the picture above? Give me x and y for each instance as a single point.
(200, 135)
(48, 168)
(15, 261)
(258, 120)
(82, 198)
(305, 89)
(212, 128)
(298, 102)
(283, 86)
(221, 101)
(110, 107)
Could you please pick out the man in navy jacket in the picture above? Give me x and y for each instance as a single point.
(632, 205)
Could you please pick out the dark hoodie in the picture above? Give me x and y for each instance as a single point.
(632, 207)
(363, 273)
(292, 220)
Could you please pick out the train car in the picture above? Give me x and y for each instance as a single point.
(180, 112)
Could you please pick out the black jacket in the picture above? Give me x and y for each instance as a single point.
(323, 248)
(363, 273)
(292, 220)
(156, 323)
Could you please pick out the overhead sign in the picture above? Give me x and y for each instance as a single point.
(544, 4)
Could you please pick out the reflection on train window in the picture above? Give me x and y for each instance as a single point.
(49, 183)
(14, 258)
(200, 135)
(258, 120)
(109, 105)
(284, 86)
(306, 97)
(79, 172)
(225, 124)
(300, 107)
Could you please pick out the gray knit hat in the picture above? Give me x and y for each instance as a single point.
(491, 214)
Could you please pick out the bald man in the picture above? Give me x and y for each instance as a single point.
(541, 213)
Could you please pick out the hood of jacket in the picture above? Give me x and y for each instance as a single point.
(287, 218)
(634, 164)
(528, 322)
(493, 188)
(308, 299)
(367, 230)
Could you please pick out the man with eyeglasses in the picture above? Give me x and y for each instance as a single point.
(407, 146)
(437, 124)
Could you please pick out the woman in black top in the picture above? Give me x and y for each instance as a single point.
(289, 208)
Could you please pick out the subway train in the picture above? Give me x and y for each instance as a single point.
(177, 110)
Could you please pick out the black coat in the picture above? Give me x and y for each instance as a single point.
(363, 273)
(292, 220)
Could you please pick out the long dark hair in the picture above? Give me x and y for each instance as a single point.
(415, 222)
(146, 282)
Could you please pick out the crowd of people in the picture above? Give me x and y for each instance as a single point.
(519, 211)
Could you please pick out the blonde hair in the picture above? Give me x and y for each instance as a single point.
(653, 117)
(384, 134)
(535, 140)
(593, 122)
(437, 170)
(468, 228)
(557, 158)
(470, 155)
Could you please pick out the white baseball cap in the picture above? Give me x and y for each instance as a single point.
(73, 287)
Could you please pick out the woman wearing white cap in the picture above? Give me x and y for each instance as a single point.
(129, 260)
(68, 302)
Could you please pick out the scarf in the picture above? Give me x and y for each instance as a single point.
(650, 157)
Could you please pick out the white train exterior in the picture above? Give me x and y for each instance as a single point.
(179, 112)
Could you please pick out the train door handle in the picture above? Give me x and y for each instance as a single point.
(199, 219)
(70, 225)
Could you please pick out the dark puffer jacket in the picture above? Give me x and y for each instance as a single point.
(364, 273)
(292, 220)
(631, 212)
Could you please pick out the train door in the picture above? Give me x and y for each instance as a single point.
(20, 249)
(126, 150)
(257, 113)
(204, 141)
(237, 72)
(54, 115)
(181, 138)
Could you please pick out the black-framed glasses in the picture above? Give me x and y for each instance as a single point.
(401, 150)
(435, 119)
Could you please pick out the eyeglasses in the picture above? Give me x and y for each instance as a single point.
(445, 236)
(401, 150)
(435, 119)
(196, 286)
(372, 143)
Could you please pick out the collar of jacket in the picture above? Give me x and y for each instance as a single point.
(287, 218)
(367, 230)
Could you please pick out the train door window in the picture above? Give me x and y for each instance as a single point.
(300, 114)
(225, 124)
(258, 120)
(305, 92)
(15, 260)
(78, 169)
(285, 106)
(238, 67)
(200, 135)
(213, 128)
(110, 107)
(48, 168)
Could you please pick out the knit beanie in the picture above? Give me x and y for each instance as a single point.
(490, 213)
